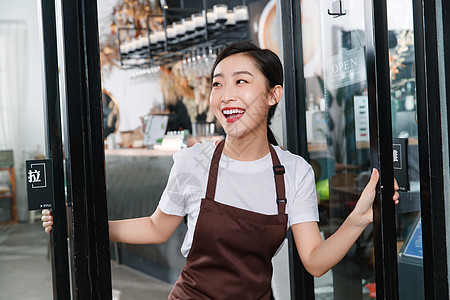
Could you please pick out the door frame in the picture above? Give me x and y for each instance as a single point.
(81, 112)
(431, 165)
(54, 150)
(301, 282)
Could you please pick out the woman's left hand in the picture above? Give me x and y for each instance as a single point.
(363, 209)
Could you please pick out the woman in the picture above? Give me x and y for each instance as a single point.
(242, 193)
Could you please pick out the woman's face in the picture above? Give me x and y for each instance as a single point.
(239, 96)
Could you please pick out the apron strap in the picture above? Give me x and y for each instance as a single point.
(213, 171)
(278, 171)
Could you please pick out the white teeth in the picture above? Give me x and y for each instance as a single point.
(233, 111)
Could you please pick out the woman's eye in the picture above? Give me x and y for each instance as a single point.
(241, 81)
(215, 84)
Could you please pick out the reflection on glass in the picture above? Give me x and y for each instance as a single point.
(338, 138)
(406, 162)
(338, 134)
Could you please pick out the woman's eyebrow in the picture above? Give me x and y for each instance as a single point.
(234, 74)
(242, 72)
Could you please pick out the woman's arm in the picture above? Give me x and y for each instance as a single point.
(320, 256)
(147, 230)
(155, 229)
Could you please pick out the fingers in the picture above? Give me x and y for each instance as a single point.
(373, 179)
(47, 226)
(395, 184)
(373, 183)
(396, 197)
(396, 194)
(47, 220)
(48, 229)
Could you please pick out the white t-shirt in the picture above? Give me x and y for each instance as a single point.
(248, 185)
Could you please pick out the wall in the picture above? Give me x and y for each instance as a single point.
(135, 96)
(32, 140)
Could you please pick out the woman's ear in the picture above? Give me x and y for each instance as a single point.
(276, 94)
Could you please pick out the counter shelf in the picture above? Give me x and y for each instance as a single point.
(135, 180)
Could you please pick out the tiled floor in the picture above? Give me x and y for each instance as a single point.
(25, 271)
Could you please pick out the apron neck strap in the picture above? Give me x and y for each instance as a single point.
(278, 171)
(213, 171)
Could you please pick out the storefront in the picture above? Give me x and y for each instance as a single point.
(365, 86)
(388, 112)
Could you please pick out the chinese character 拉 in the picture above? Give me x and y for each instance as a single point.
(34, 176)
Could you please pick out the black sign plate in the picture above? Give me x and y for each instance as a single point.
(39, 184)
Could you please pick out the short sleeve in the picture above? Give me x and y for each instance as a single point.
(303, 208)
(172, 201)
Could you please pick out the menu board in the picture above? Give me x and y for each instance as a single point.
(361, 105)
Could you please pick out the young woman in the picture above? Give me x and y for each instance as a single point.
(242, 193)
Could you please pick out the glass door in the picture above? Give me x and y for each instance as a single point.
(337, 123)
(366, 94)
(405, 149)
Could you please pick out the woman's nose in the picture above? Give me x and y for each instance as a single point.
(227, 98)
(228, 95)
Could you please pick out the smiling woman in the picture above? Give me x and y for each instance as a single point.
(236, 223)
(247, 86)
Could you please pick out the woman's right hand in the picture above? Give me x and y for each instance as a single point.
(47, 220)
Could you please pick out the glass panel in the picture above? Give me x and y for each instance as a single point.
(25, 270)
(136, 175)
(338, 133)
(405, 146)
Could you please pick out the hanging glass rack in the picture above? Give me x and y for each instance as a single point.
(209, 29)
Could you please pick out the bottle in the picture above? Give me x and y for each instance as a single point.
(410, 100)
(398, 100)
(310, 102)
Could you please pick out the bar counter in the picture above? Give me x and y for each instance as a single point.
(135, 180)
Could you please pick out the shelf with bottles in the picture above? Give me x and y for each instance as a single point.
(218, 26)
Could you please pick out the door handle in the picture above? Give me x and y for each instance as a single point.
(340, 13)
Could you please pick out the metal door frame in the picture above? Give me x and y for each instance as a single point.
(87, 192)
(430, 148)
(54, 149)
(302, 283)
(84, 152)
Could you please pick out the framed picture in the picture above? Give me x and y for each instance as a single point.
(111, 116)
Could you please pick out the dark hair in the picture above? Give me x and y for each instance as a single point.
(267, 63)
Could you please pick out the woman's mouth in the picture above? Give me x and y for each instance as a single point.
(233, 114)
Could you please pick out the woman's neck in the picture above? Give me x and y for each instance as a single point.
(245, 148)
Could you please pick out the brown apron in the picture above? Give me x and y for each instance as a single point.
(232, 248)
